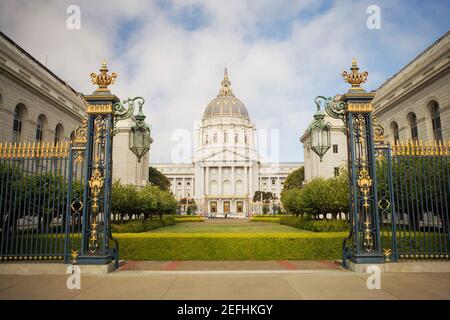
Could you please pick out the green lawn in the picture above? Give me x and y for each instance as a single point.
(228, 226)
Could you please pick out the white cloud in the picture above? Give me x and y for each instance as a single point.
(179, 71)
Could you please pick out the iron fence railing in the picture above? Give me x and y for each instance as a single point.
(40, 202)
(414, 200)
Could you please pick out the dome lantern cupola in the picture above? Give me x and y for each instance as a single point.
(225, 86)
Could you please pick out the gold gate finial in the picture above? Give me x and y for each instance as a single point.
(355, 78)
(103, 79)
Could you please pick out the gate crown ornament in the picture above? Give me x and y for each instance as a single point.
(103, 79)
(355, 78)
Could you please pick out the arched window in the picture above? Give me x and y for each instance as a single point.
(413, 125)
(206, 139)
(215, 137)
(436, 121)
(17, 123)
(40, 128)
(236, 137)
(395, 134)
(59, 131)
(245, 139)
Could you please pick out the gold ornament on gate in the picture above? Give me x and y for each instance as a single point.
(103, 79)
(355, 78)
(96, 185)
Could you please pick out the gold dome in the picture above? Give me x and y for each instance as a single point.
(225, 104)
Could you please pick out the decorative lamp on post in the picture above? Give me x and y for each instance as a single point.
(139, 136)
(319, 131)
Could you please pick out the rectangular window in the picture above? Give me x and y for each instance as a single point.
(225, 137)
(213, 206)
(336, 171)
(335, 148)
(274, 181)
(239, 206)
(236, 138)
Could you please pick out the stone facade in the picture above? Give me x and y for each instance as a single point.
(334, 160)
(413, 104)
(47, 109)
(36, 95)
(416, 90)
(126, 167)
(226, 169)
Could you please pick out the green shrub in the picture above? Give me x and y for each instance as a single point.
(315, 225)
(319, 197)
(137, 226)
(273, 219)
(189, 219)
(227, 246)
(149, 201)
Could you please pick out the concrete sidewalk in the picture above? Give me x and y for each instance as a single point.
(188, 265)
(234, 284)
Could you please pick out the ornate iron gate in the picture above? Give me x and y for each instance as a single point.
(40, 201)
(55, 199)
(414, 200)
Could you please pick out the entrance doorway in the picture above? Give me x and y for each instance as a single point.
(213, 206)
(226, 208)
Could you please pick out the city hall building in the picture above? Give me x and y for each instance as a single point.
(226, 169)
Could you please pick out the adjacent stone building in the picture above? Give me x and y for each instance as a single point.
(35, 104)
(38, 106)
(414, 104)
(333, 161)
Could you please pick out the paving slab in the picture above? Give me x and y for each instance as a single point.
(275, 284)
(239, 287)
(228, 265)
(336, 286)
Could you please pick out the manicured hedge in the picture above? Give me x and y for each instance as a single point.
(189, 219)
(227, 246)
(137, 226)
(315, 225)
(274, 219)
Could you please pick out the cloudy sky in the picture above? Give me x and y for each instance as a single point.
(280, 54)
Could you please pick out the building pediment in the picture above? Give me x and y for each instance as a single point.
(225, 155)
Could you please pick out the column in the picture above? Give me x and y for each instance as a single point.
(278, 187)
(251, 182)
(220, 181)
(233, 180)
(206, 186)
(246, 180)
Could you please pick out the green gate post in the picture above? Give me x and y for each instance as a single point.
(366, 247)
(95, 239)
(355, 110)
(104, 110)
